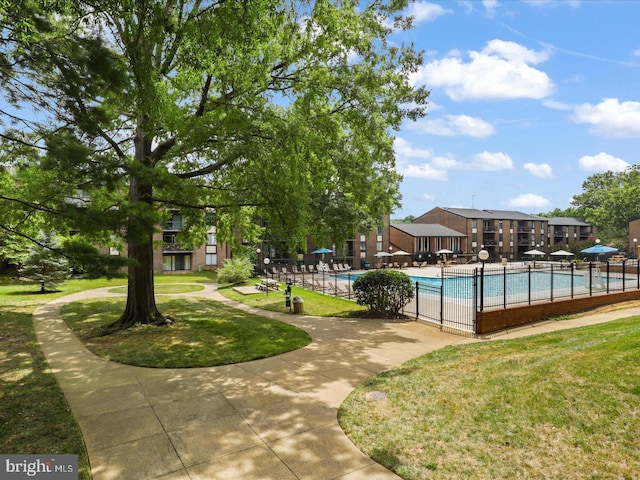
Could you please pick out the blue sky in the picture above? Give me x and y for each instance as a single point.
(528, 99)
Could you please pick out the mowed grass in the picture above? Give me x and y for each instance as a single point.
(314, 303)
(205, 333)
(562, 405)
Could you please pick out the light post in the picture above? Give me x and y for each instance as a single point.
(258, 261)
(266, 273)
(635, 248)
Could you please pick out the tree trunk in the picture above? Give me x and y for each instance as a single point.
(141, 302)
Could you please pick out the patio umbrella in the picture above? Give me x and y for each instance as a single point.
(561, 253)
(323, 250)
(383, 254)
(534, 252)
(401, 252)
(444, 250)
(599, 249)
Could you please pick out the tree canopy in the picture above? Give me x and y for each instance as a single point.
(609, 201)
(278, 110)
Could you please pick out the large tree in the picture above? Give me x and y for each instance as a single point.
(281, 110)
(609, 201)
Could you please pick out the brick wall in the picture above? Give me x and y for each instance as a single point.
(496, 320)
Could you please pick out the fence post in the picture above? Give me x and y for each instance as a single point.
(482, 288)
(591, 279)
(475, 292)
(551, 283)
(442, 299)
(417, 299)
(504, 287)
(607, 276)
(624, 277)
(529, 285)
(572, 266)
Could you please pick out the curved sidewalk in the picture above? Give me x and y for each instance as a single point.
(274, 418)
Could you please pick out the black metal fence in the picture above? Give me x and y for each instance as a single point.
(452, 298)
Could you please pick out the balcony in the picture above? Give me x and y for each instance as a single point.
(176, 248)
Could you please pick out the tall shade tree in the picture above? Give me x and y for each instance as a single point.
(280, 110)
(610, 200)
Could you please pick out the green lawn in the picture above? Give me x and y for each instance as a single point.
(206, 333)
(315, 303)
(556, 406)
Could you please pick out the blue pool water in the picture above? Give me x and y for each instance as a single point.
(494, 285)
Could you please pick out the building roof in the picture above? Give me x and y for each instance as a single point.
(427, 230)
(568, 221)
(492, 214)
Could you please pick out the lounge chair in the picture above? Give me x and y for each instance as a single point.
(338, 289)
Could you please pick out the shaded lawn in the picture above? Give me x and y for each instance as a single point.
(558, 405)
(206, 333)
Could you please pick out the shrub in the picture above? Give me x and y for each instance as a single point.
(235, 270)
(383, 290)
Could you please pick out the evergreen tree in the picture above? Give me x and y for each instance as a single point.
(43, 264)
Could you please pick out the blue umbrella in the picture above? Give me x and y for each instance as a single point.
(323, 250)
(599, 249)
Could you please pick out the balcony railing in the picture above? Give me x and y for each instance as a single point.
(176, 247)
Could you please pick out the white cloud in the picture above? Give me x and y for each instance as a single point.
(453, 125)
(424, 171)
(492, 161)
(425, 11)
(404, 150)
(500, 71)
(610, 117)
(556, 105)
(529, 200)
(602, 162)
(447, 162)
(553, 3)
(428, 196)
(490, 6)
(422, 163)
(542, 170)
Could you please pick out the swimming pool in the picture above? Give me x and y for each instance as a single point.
(511, 283)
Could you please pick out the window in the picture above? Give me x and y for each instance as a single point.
(174, 223)
(211, 259)
(363, 246)
(176, 262)
(422, 244)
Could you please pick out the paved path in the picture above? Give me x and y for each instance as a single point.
(274, 418)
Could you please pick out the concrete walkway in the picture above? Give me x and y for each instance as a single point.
(274, 418)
